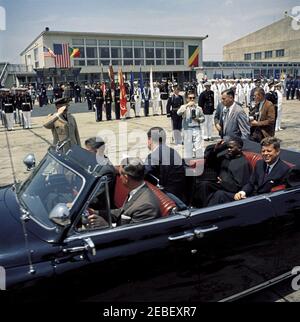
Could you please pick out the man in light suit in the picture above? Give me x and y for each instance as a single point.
(233, 121)
(141, 203)
(268, 173)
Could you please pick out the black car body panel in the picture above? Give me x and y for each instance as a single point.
(210, 254)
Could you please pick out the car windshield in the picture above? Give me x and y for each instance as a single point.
(52, 183)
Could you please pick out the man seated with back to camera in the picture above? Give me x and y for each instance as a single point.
(96, 146)
(141, 203)
(269, 172)
(165, 164)
(231, 169)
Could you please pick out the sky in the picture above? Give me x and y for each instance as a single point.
(223, 20)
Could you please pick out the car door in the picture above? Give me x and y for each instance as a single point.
(139, 262)
(235, 249)
(286, 205)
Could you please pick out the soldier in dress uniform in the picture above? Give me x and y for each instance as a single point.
(77, 92)
(164, 96)
(26, 106)
(289, 84)
(207, 103)
(156, 100)
(173, 105)
(137, 95)
(99, 100)
(90, 96)
(146, 97)
(8, 107)
(108, 101)
(117, 102)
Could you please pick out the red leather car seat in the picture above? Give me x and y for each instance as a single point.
(121, 192)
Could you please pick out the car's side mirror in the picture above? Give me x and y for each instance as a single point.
(60, 215)
(30, 162)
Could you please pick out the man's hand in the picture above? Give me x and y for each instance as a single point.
(240, 195)
(254, 123)
(95, 221)
(61, 110)
(218, 127)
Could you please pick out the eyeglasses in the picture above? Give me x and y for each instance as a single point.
(191, 98)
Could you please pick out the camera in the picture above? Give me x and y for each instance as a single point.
(193, 113)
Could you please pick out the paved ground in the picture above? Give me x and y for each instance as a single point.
(123, 137)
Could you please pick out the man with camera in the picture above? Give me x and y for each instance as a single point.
(193, 116)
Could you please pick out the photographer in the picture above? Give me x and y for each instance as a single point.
(193, 116)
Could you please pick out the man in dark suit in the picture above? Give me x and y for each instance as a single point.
(141, 203)
(263, 118)
(173, 105)
(232, 173)
(268, 173)
(165, 164)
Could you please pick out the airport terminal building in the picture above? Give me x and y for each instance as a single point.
(49, 55)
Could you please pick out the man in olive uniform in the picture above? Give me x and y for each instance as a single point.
(63, 125)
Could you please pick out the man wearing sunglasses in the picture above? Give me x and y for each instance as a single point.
(192, 116)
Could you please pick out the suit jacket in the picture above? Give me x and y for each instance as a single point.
(142, 206)
(166, 164)
(266, 122)
(260, 183)
(235, 173)
(63, 129)
(236, 124)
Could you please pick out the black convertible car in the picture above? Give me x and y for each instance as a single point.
(218, 253)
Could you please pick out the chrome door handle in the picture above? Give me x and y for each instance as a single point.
(199, 232)
(185, 236)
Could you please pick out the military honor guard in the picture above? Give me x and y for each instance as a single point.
(8, 106)
(156, 100)
(137, 94)
(146, 97)
(26, 107)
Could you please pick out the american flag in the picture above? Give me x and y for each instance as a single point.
(62, 59)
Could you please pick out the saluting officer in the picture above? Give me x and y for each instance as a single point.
(63, 125)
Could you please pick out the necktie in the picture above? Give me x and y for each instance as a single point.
(267, 171)
(225, 118)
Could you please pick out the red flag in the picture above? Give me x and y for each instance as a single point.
(123, 96)
(111, 77)
(103, 88)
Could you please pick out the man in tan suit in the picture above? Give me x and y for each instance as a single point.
(263, 117)
(63, 125)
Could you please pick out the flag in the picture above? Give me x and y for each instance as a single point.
(194, 53)
(123, 96)
(141, 80)
(101, 74)
(151, 82)
(48, 52)
(111, 77)
(62, 56)
(74, 52)
(131, 83)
